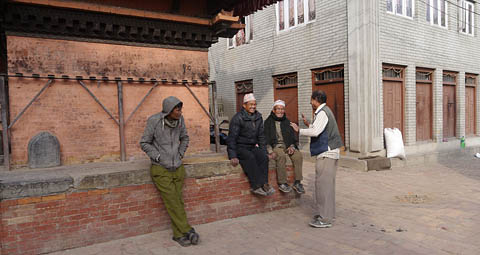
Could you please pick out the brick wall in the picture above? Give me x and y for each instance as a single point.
(56, 222)
(85, 132)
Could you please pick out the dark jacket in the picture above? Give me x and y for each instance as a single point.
(288, 134)
(245, 132)
(159, 140)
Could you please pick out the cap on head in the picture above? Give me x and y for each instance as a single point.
(279, 102)
(248, 97)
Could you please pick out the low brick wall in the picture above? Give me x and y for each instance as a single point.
(50, 210)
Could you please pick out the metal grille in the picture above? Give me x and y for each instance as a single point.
(424, 76)
(286, 80)
(450, 78)
(391, 72)
(329, 75)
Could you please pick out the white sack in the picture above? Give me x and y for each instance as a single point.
(394, 142)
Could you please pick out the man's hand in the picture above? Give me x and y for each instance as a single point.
(234, 162)
(305, 121)
(291, 150)
(272, 155)
(294, 126)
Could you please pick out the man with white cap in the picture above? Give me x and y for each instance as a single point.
(282, 141)
(246, 145)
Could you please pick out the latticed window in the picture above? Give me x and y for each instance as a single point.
(470, 79)
(328, 75)
(449, 78)
(392, 72)
(291, 13)
(244, 86)
(285, 80)
(424, 76)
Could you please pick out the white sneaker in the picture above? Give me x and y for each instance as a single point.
(477, 155)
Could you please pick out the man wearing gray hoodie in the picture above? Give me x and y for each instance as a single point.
(165, 141)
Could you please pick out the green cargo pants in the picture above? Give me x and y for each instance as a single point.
(170, 185)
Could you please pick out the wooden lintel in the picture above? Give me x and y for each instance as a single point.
(119, 11)
(224, 18)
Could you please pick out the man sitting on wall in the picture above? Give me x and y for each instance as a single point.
(282, 141)
(246, 145)
(165, 141)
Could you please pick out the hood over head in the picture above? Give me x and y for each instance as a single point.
(169, 103)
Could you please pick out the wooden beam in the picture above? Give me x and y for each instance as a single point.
(118, 10)
(5, 133)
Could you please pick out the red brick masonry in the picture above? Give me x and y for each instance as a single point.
(41, 224)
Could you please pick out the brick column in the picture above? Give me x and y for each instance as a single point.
(460, 128)
(437, 105)
(410, 105)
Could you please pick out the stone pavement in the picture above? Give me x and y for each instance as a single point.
(431, 209)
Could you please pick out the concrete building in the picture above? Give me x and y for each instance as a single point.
(409, 64)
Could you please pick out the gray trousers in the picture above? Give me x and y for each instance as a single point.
(325, 171)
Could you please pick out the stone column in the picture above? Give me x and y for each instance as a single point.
(460, 127)
(364, 76)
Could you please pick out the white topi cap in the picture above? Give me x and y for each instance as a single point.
(248, 97)
(279, 102)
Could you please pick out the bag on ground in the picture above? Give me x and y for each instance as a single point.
(394, 143)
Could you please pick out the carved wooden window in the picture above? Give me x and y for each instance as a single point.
(393, 72)
(471, 80)
(449, 78)
(292, 13)
(285, 80)
(244, 87)
(244, 35)
(424, 75)
(328, 75)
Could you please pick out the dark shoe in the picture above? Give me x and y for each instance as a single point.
(284, 188)
(318, 222)
(193, 236)
(260, 191)
(183, 240)
(268, 189)
(298, 187)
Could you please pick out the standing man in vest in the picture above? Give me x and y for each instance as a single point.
(325, 144)
(165, 141)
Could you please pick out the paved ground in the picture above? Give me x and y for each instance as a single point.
(432, 209)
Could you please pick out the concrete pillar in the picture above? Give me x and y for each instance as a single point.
(460, 127)
(410, 105)
(437, 105)
(366, 134)
(477, 105)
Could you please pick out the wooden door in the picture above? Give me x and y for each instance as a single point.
(424, 110)
(242, 88)
(290, 96)
(286, 89)
(449, 109)
(393, 105)
(331, 81)
(470, 110)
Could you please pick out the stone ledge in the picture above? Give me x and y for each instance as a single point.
(41, 182)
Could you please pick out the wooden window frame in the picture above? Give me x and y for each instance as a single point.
(463, 10)
(286, 17)
(450, 73)
(431, 9)
(404, 8)
(339, 68)
(247, 30)
(276, 78)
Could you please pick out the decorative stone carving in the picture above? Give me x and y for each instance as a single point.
(43, 151)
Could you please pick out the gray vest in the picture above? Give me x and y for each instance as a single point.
(334, 138)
